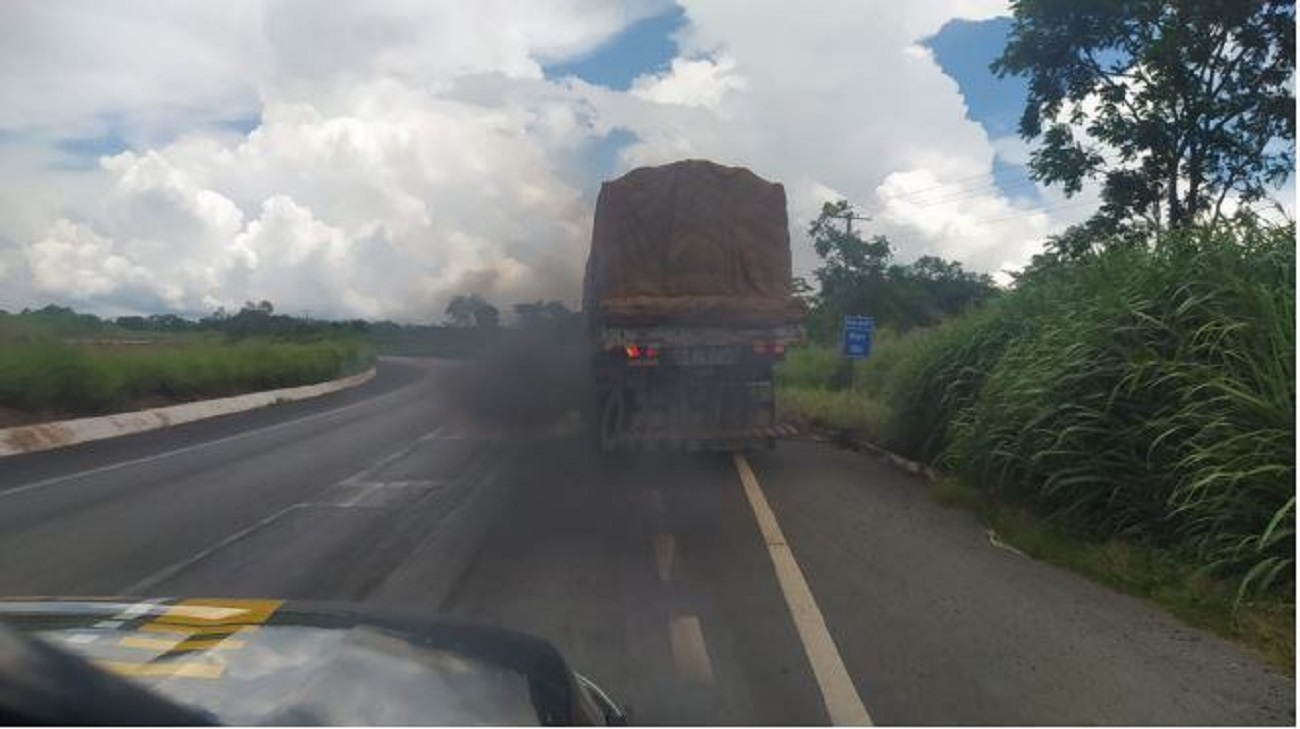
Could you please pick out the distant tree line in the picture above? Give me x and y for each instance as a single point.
(469, 322)
(253, 319)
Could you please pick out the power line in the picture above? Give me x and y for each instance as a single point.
(968, 194)
(952, 182)
(952, 186)
(1032, 213)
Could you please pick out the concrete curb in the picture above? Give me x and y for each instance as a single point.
(45, 436)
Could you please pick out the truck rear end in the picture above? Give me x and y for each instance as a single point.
(679, 388)
(688, 306)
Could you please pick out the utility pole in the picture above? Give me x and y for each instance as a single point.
(848, 218)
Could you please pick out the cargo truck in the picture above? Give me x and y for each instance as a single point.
(688, 305)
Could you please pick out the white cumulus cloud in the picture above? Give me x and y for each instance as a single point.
(375, 160)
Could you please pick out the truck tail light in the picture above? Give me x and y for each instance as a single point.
(647, 354)
(770, 349)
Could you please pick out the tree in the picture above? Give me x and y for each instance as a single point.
(459, 311)
(549, 314)
(465, 311)
(1181, 103)
(167, 322)
(549, 320)
(262, 307)
(132, 323)
(859, 277)
(487, 317)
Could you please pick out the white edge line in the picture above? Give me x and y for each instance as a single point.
(838, 692)
(186, 449)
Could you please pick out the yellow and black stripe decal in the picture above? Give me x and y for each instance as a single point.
(188, 626)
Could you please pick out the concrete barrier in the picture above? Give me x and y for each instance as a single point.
(44, 436)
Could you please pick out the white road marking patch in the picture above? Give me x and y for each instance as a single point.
(80, 638)
(361, 491)
(433, 434)
(149, 583)
(359, 486)
(838, 692)
(665, 548)
(362, 477)
(690, 654)
(109, 624)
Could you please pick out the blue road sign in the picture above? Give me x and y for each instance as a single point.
(856, 339)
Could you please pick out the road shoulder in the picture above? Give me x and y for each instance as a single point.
(1022, 641)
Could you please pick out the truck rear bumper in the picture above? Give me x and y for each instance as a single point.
(711, 440)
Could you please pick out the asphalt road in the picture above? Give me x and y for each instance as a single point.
(651, 573)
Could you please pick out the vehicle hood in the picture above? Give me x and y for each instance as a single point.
(240, 661)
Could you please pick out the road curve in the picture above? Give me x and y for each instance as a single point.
(650, 573)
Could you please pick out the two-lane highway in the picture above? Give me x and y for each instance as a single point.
(654, 574)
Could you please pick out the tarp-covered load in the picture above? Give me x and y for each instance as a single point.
(690, 243)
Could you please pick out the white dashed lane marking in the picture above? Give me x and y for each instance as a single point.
(665, 553)
(690, 655)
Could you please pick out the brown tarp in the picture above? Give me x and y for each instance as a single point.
(690, 243)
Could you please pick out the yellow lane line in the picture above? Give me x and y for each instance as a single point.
(838, 692)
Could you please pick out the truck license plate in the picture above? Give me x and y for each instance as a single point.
(706, 355)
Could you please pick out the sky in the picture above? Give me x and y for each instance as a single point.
(374, 160)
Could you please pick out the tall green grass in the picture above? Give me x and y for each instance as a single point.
(1145, 393)
(814, 367)
(40, 375)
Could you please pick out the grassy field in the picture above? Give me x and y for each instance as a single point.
(42, 377)
(1141, 402)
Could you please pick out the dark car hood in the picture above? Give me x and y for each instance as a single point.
(271, 662)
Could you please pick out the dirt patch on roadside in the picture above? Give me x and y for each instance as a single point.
(10, 417)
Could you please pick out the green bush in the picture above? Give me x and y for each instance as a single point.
(814, 366)
(46, 376)
(1142, 393)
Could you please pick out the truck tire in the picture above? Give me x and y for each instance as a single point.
(613, 416)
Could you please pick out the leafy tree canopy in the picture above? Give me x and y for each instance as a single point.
(1174, 105)
(471, 310)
